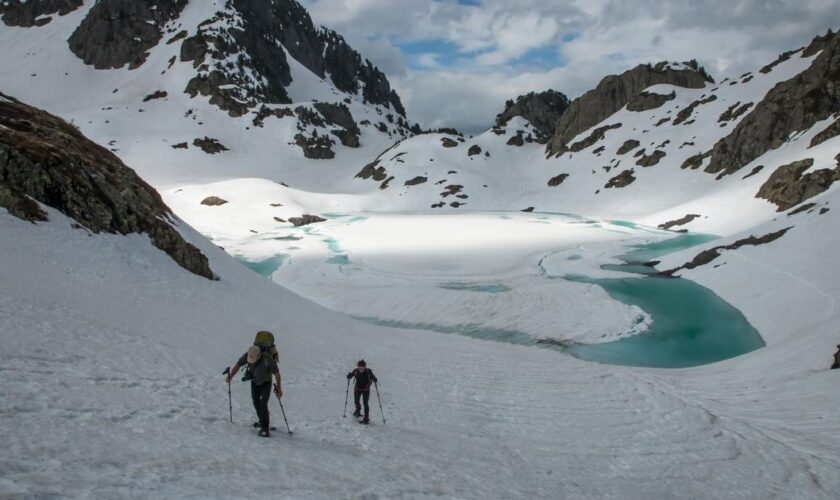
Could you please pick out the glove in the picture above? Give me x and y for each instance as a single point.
(278, 391)
(227, 379)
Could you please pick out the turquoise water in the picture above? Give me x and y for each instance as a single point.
(476, 287)
(341, 260)
(691, 325)
(264, 267)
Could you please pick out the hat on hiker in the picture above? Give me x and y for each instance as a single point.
(253, 354)
(361, 363)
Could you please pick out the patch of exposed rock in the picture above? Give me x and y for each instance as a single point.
(686, 112)
(26, 14)
(678, 222)
(160, 94)
(651, 159)
(305, 220)
(475, 149)
(614, 92)
(646, 101)
(373, 170)
(596, 135)
(119, 32)
(557, 180)
(448, 143)
(621, 180)
(316, 147)
(696, 161)
(827, 133)
(711, 254)
(791, 106)
(209, 145)
(517, 140)
(213, 201)
(629, 145)
(787, 187)
(417, 180)
(542, 110)
(44, 158)
(264, 112)
(734, 112)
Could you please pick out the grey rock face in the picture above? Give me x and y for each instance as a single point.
(645, 101)
(542, 110)
(46, 159)
(475, 149)
(338, 114)
(827, 133)
(27, 13)
(119, 32)
(789, 107)
(694, 162)
(787, 187)
(613, 92)
(315, 147)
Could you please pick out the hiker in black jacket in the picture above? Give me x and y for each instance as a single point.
(364, 378)
(262, 365)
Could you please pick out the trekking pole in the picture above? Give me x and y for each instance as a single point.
(230, 400)
(380, 401)
(282, 410)
(346, 396)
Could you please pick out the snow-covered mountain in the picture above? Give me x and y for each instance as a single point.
(116, 317)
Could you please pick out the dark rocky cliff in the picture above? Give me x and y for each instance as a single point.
(119, 32)
(791, 106)
(541, 109)
(44, 158)
(615, 91)
(35, 12)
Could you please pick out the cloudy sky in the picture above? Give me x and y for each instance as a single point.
(455, 62)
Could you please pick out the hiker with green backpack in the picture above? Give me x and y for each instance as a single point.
(261, 360)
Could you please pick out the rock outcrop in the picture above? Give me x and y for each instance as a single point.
(45, 159)
(213, 201)
(629, 145)
(306, 219)
(711, 254)
(621, 180)
(26, 14)
(614, 92)
(787, 187)
(119, 32)
(209, 145)
(542, 110)
(791, 106)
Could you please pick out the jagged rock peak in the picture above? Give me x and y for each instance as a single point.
(614, 92)
(541, 109)
(45, 159)
(30, 13)
(239, 52)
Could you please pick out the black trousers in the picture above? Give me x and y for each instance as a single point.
(365, 395)
(261, 395)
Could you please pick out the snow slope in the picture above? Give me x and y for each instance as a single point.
(113, 357)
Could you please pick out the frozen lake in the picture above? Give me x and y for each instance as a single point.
(552, 280)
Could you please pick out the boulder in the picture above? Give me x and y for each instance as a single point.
(475, 149)
(213, 201)
(621, 180)
(448, 143)
(629, 145)
(417, 180)
(787, 187)
(305, 220)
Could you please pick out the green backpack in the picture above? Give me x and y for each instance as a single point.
(265, 341)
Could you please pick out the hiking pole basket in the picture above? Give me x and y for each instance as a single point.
(346, 396)
(380, 401)
(230, 399)
(283, 410)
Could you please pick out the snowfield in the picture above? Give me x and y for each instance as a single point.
(111, 355)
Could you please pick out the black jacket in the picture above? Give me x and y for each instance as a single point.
(363, 379)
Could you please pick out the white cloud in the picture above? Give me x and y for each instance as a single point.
(467, 89)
